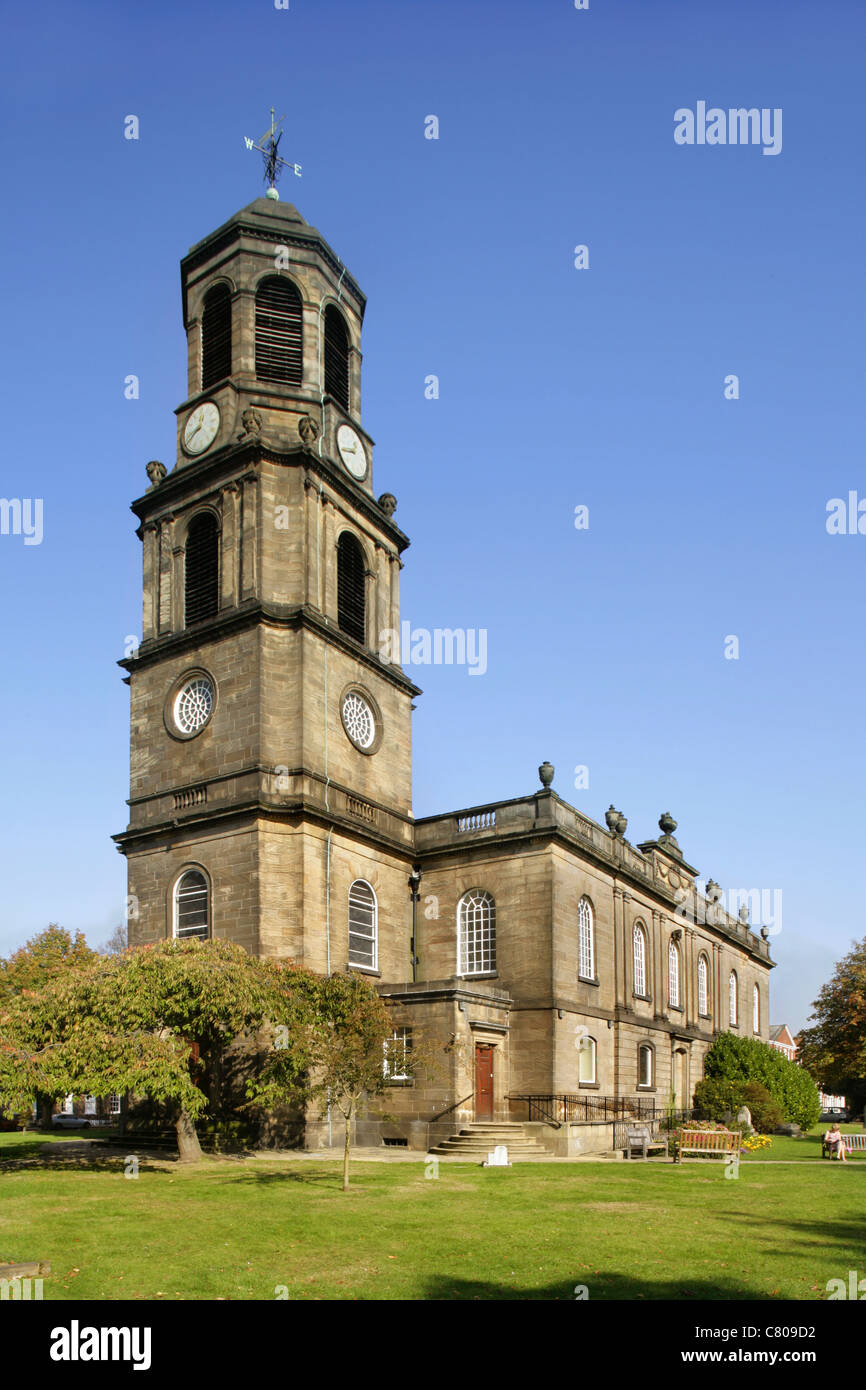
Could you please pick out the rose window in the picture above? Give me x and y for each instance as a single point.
(358, 719)
(193, 705)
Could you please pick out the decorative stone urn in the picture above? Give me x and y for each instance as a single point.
(667, 824)
(545, 772)
(622, 823)
(612, 818)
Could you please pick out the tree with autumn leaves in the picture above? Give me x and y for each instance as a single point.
(834, 1049)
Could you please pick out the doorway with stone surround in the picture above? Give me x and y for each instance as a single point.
(484, 1081)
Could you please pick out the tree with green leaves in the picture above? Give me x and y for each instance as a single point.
(52, 954)
(147, 1021)
(735, 1059)
(344, 1054)
(834, 1049)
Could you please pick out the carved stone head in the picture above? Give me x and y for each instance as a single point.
(156, 471)
(388, 503)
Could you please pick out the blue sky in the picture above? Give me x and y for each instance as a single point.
(558, 387)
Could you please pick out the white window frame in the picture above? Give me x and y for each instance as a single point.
(733, 999)
(188, 935)
(639, 952)
(476, 933)
(68, 1106)
(585, 940)
(646, 1049)
(588, 1047)
(756, 1009)
(90, 1105)
(398, 1047)
(114, 1103)
(703, 987)
(370, 960)
(674, 975)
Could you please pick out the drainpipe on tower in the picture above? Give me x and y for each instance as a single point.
(414, 885)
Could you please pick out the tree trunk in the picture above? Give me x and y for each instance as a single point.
(188, 1147)
(346, 1155)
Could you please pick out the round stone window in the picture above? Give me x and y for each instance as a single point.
(190, 704)
(361, 719)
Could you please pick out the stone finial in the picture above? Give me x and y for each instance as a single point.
(388, 503)
(765, 933)
(308, 430)
(155, 471)
(616, 821)
(743, 914)
(545, 773)
(667, 824)
(714, 892)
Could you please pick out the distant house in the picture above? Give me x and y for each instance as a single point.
(782, 1039)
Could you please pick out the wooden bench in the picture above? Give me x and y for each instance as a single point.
(854, 1143)
(641, 1137)
(706, 1141)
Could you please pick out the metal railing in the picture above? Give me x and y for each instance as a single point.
(558, 1110)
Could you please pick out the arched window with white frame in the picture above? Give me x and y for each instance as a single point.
(673, 975)
(191, 906)
(645, 1065)
(639, 949)
(585, 940)
(703, 987)
(363, 926)
(756, 1009)
(733, 1002)
(476, 932)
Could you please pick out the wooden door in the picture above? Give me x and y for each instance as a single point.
(483, 1081)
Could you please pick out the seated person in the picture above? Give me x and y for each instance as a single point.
(834, 1138)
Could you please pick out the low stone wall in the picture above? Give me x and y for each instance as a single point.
(573, 1138)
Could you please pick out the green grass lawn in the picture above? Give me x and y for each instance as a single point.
(232, 1229)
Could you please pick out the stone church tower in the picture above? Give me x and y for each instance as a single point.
(581, 977)
(270, 746)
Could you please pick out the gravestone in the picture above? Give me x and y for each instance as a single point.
(744, 1117)
(498, 1159)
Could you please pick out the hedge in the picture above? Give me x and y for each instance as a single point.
(732, 1058)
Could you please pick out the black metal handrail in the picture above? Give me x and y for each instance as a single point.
(561, 1109)
(434, 1118)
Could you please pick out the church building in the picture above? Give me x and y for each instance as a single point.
(271, 771)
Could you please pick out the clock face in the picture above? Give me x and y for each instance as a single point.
(201, 428)
(352, 452)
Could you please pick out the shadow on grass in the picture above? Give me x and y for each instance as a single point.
(600, 1287)
(68, 1157)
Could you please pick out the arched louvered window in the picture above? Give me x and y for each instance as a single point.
(476, 931)
(733, 1009)
(201, 569)
(216, 336)
(703, 990)
(756, 1009)
(673, 975)
(639, 942)
(585, 940)
(351, 587)
(363, 925)
(279, 332)
(191, 905)
(336, 356)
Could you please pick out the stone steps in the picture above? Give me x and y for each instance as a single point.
(478, 1140)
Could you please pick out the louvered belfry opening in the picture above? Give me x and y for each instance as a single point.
(201, 570)
(336, 356)
(351, 592)
(216, 336)
(279, 332)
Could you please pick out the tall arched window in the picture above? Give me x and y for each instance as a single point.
(585, 940)
(756, 1009)
(351, 587)
(279, 332)
(732, 999)
(363, 925)
(216, 336)
(703, 991)
(201, 569)
(586, 1062)
(336, 356)
(673, 975)
(191, 905)
(639, 942)
(476, 930)
(645, 1071)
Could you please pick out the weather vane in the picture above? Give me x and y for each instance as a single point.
(268, 148)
